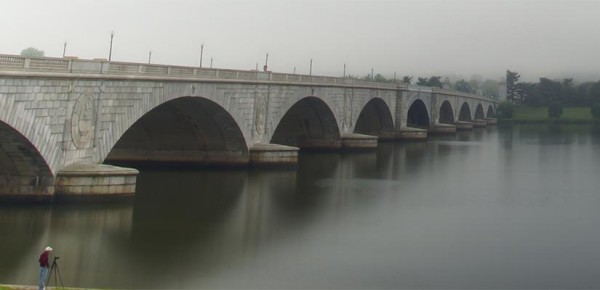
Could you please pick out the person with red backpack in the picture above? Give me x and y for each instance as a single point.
(44, 265)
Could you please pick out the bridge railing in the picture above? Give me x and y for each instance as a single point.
(103, 67)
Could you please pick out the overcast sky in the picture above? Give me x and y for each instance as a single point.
(419, 38)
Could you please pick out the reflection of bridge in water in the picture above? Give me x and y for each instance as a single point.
(60, 119)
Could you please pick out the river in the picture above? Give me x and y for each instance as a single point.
(500, 207)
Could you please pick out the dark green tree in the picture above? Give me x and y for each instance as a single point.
(435, 81)
(550, 91)
(506, 110)
(422, 81)
(407, 79)
(380, 78)
(462, 86)
(511, 90)
(594, 93)
(568, 92)
(32, 52)
(596, 111)
(528, 94)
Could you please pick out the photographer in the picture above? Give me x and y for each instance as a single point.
(44, 267)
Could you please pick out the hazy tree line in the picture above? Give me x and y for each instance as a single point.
(475, 85)
(546, 92)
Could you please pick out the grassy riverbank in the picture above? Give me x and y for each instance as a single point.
(540, 115)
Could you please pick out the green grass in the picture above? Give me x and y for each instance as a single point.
(540, 115)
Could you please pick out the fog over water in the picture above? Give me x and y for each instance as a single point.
(418, 38)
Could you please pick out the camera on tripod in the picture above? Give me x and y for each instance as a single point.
(56, 272)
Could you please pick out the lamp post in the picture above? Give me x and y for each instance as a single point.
(310, 71)
(266, 67)
(211, 62)
(344, 70)
(201, 53)
(149, 56)
(64, 49)
(112, 35)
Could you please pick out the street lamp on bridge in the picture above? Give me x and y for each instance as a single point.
(112, 35)
(201, 53)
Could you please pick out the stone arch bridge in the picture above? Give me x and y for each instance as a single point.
(60, 119)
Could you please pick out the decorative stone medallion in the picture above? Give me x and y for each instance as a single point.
(347, 113)
(82, 121)
(260, 113)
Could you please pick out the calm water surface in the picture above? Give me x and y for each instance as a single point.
(493, 208)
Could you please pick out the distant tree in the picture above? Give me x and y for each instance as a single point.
(511, 90)
(596, 111)
(422, 81)
(407, 79)
(550, 91)
(555, 110)
(475, 83)
(528, 94)
(594, 93)
(462, 86)
(490, 87)
(380, 78)
(568, 92)
(583, 93)
(435, 81)
(32, 52)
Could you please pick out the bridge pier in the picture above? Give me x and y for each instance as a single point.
(412, 134)
(273, 155)
(491, 121)
(442, 128)
(95, 181)
(352, 141)
(479, 123)
(463, 125)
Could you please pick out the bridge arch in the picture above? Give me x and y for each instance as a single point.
(184, 130)
(375, 119)
(465, 112)
(418, 115)
(23, 169)
(308, 124)
(479, 112)
(490, 112)
(446, 115)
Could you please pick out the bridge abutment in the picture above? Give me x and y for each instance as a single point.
(479, 123)
(412, 134)
(95, 181)
(273, 155)
(491, 121)
(358, 142)
(464, 125)
(444, 129)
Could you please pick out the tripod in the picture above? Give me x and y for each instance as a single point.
(54, 269)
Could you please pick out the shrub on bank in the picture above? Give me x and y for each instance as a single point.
(555, 110)
(506, 110)
(596, 111)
